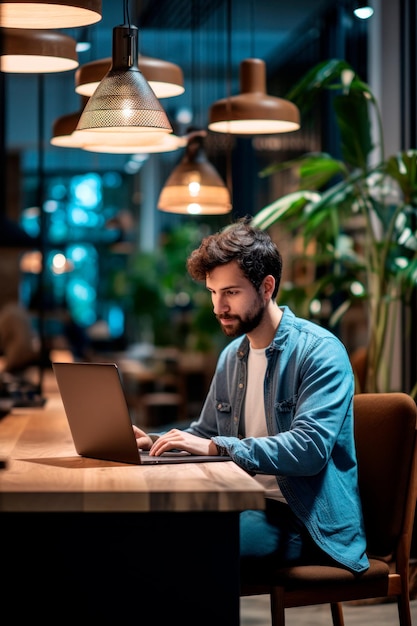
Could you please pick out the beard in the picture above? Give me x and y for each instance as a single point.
(243, 325)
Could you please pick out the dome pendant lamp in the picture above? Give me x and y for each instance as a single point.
(165, 78)
(123, 101)
(36, 51)
(49, 13)
(194, 186)
(63, 129)
(253, 111)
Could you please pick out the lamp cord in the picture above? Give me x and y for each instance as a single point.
(126, 15)
(252, 34)
(229, 49)
(229, 176)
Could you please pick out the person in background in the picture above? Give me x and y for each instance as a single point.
(281, 406)
(19, 345)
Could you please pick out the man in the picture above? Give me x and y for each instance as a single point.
(281, 406)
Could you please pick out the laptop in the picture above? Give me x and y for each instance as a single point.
(99, 419)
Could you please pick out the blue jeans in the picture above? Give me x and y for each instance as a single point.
(275, 537)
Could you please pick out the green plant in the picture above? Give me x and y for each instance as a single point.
(361, 185)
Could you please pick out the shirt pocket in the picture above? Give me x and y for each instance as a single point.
(224, 417)
(284, 413)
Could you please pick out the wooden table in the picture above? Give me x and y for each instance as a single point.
(86, 539)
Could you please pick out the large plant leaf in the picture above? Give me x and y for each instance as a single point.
(282, 208)
(323, 75)
(280, 166)
(352, 115)
(315, 169)
(318, 170)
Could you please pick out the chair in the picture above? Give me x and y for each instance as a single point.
(385, 435)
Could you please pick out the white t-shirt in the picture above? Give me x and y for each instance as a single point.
(255, 420)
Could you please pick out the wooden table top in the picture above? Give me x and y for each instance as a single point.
(44, 473)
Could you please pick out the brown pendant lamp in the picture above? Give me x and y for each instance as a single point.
(123, 101)
(194, 186)
(49, 13)
(253, 111)
(165, 78)
(36, 51)
(63, 129)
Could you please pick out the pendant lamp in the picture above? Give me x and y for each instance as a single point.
(253, 111)
(36, 51)
(165, 78)
(194, 186)
(124, 102)
(49, 13)
(64, 136)
(63, 129)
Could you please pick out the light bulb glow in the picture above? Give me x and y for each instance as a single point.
(194, 208)
(364, 13)
(194, 188)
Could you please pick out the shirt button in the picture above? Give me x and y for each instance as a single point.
(235, 419)
(219, 406)
(240, 385)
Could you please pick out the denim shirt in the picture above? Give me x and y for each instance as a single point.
(308, 397)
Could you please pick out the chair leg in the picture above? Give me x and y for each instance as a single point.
(337, 614)
(404, 613)
(277, 606)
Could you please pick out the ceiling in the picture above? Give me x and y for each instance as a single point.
(206, 38)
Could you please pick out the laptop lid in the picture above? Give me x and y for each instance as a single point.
(99, 418)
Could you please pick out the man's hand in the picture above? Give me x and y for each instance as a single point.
(143, 441)
(180, 440)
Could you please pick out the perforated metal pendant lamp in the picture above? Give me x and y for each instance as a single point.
(49, 13)
(123, 101)
(166, 79)
(36, 51)
(194, 186)
(253, 111)
(64, 135)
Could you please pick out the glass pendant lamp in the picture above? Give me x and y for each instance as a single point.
(194, 186)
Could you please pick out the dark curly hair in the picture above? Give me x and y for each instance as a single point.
(251, 248)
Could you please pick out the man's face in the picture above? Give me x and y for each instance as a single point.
(236, 303)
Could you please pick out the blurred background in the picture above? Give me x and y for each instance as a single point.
(88, 260)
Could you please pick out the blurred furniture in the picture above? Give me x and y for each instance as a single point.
(385, 434)
(358, 361)
(17, 339)
(97, 537)
(166, 385)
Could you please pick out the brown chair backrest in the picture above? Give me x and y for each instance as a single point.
(385, 429)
